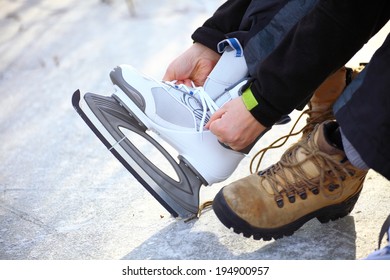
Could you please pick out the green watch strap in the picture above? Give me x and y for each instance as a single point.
(249, 100)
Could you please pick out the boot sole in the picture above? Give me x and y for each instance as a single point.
(231, 220)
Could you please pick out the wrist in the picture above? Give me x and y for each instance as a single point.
(205, 52)
(249, 99)
(260, 109)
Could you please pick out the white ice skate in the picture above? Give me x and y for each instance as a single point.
(177, 114)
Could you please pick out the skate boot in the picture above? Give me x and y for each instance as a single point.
(313, 179)
(230, 71)
(178, 113)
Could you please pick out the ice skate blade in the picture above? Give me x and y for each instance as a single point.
(106, 117)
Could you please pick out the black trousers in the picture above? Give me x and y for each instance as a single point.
(363, 111)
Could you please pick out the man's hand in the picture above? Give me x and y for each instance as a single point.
(195, 64)
(234, 125)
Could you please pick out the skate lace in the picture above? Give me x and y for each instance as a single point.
(299, 179)
(207, 103)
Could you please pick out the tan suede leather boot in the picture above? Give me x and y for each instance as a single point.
(313, 179)
(321, 103)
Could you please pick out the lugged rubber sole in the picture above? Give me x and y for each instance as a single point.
(231, 220)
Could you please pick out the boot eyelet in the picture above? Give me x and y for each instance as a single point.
(303, 195)
(330, 173)
(279, 201)
(333, 187)
(291, 198)
(315, 191)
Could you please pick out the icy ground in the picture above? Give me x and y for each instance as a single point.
(64, 196)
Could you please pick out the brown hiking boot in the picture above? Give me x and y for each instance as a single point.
(313, 179)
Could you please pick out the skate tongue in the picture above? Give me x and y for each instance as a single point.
(230, 69)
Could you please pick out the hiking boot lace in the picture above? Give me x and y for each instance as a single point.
(311, 122)
(297, 181)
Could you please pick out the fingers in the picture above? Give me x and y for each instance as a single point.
(217, 115)
(220, 126)
(234, 125)
(187, 82)
(168, 76)
(195, 64)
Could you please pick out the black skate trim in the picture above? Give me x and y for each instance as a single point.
(179, 198)
(231, 220)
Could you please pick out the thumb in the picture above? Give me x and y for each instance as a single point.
(168, 76)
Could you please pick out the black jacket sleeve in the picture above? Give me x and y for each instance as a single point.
(320, 43)
(226, 19)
